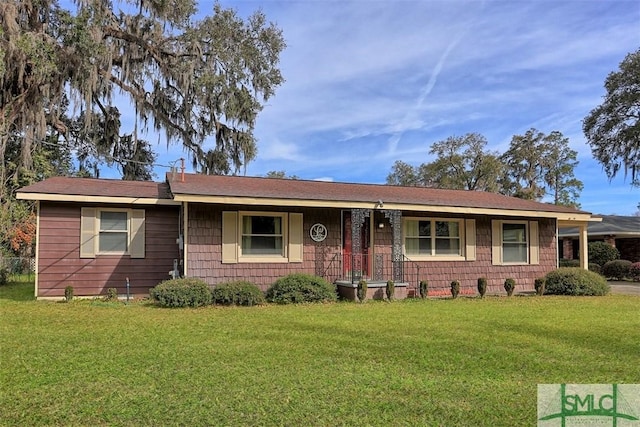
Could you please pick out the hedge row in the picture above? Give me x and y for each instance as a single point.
(305, 288)
(294, 288)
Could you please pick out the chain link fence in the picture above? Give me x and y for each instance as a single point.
(15, 266)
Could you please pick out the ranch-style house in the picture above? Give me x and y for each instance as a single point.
(96, 234)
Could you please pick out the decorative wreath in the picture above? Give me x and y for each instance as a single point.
(318, 232)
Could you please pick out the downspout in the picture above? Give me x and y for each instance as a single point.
(557, 244)
(37, 266)
(185, 234)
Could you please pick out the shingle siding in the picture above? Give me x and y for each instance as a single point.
(204, 253)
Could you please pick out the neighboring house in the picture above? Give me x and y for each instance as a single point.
(93, 234)
(622, 232)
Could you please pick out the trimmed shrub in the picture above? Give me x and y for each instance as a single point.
(482, 286)
(112, 295)
(299, 287)
(455, 289)
(68, 293)
(509, 286)
(424, 288)
(601, 253)
(4, 276)
(185, 292)
(576, 263)
(539, 284)
(634, 271)
(575, 281)
(390, 289)
(237, 293)
(569, 262)
(362, 290)
(617, 269)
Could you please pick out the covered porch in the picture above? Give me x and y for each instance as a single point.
(372, 251)
(583, 238)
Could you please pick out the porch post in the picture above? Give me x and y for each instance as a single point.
(395, 218)
(358, 217)
(584, 249)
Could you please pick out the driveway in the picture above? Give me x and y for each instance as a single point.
(625, 288)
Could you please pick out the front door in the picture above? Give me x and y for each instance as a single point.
(355, 252)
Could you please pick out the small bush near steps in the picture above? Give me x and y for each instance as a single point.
(362, 290)
(390, 289)
(539, 285)
(424, 288)
(237, 293)
(186, 292)
(301, 288)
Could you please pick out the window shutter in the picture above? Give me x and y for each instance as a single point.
(87, 233)
(296, 246)
(496, 242)
(137, 234)
(470, 238)
(534, 245)
(229, 237)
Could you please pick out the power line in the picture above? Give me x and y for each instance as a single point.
(107, 157)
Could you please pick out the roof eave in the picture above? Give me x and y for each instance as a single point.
(48, 197)
(572, 217)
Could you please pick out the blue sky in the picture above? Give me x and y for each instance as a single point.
(372, 82)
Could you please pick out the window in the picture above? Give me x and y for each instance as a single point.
(433, 237)
(261, 237)
(112, 232)
(515, 242)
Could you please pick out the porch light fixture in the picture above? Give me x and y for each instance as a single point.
(379, 204)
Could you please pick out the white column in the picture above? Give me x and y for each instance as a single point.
(584, 249)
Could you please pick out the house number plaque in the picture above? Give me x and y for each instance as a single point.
(318, 232)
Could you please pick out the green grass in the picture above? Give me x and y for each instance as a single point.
(435, 362)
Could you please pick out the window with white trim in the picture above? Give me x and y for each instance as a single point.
(251, 236)
(262, 234)
(113, 232)
(107, 231)
(433, 237)
(515, 242)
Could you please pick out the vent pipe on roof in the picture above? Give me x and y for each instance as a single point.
(181, 169)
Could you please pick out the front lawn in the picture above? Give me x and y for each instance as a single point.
(435, 362)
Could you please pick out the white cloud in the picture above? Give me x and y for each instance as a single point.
(371, 82)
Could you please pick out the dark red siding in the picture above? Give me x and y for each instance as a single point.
(60, 265)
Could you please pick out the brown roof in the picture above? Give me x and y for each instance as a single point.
(270, 188)
(99, 187)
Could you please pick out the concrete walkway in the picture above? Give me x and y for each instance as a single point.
(625, 288)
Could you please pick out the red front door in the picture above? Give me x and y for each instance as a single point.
(355, 260)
